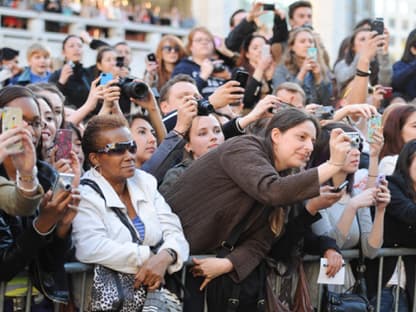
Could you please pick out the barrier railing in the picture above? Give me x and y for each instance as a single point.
(84, 269)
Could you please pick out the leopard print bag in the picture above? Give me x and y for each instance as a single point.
(114, 291)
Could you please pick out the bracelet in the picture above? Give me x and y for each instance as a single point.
(238, 126)
(361, 73)
(32, 190)
(335, 164)
(28, 178)
(173, 254)
(39, 232)
(181, 134)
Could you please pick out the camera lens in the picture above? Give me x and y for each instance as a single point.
(204, 107)
(134, 89)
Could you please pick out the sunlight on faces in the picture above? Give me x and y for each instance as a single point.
(303, 41)
(39, 63)
(73, 49)
(205, 134)
(31, 114)
(409, 128)
(202, 45)
(176, 95)
(108, 63)
(48, 119)
(144, 136)
(293, 147)
(113, 167)
(301, 16)
(254, 50)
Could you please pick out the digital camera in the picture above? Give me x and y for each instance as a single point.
(355, 139)
(204, 107)
(133, 89)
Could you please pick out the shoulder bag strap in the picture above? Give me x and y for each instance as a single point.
(117, 211)
(361, 268)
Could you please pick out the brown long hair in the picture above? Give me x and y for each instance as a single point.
(174, 41)
(289, 59)
(392, 130)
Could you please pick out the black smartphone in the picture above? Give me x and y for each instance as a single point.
(340, 187)
(268, 6)
(241, 76)
(377, 25)
(120, 61)
(151, 57)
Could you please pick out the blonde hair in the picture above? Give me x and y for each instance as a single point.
(37, 48)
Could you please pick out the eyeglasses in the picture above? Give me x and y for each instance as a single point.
(171, 49)
(119, 148)
(36, 124)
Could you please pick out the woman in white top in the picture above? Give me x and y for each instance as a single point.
(98, 233)
(349, 206)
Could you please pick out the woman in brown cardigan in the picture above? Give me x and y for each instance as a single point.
(241, 176)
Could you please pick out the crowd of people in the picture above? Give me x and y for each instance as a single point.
(251, 149)
(135, 12)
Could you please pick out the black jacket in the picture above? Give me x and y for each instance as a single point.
(21, 246)
(399, 231)
(76, 88)
(236, 37)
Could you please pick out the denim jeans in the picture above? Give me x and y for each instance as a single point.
(388, 298)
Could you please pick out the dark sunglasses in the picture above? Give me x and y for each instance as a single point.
(170, 49)
(119, 148)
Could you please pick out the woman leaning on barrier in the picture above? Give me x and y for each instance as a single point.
(235, 182)
(399, 231)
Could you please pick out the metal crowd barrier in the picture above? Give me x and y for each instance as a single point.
(83, 269)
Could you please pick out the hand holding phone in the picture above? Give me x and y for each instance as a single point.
(105, 78)
(12, 117)
(340, 187)
(377, 25)
(241, 76)
(373, 125)
(63, 183)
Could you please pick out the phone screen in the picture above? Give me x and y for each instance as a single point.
(63, 141)
(313, 53)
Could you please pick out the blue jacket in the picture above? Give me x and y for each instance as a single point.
(404, 78)
(28, 77)
(189, 67)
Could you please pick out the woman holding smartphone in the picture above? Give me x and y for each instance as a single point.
(311, 74)
(41, 239)
(346, 215)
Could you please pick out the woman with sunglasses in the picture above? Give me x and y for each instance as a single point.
(345, 211)
(39, 240)
(99, 235)
(169, 52)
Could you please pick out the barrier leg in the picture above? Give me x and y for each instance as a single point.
(396, 300)
(2, 292)
(28, 305)
(83, 285)
(379, 286)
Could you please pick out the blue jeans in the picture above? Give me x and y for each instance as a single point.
(388, 298)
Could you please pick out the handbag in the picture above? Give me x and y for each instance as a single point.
(162, 300)
(355, 299)
(112, 290)
(225, 295)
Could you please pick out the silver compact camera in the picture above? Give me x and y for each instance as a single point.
(355, 139)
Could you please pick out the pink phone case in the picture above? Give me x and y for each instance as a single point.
(63, 141)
